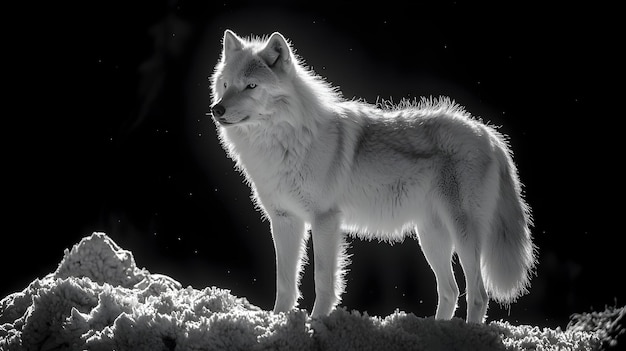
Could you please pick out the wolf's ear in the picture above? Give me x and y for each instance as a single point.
(231, 43)
(277, 53)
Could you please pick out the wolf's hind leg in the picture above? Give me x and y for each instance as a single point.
(477, 298)
(437, 246)
(289, 243)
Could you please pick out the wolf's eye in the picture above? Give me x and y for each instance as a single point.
(225, 85)
(251, 86)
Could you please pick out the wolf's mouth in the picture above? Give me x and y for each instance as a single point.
(227, 123)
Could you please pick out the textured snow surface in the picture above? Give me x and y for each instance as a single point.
(98, 299)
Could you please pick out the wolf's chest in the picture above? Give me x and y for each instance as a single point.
(274, 167)
(285, 188)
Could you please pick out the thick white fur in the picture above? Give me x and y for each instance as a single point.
(315, 159)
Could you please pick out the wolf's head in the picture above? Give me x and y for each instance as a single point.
(248, 81)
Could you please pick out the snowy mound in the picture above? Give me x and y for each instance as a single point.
(98, 299)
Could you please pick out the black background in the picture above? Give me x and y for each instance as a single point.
(105, 129)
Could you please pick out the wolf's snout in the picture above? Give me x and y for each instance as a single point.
(218, 110)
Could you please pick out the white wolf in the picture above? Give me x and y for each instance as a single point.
(314, 159)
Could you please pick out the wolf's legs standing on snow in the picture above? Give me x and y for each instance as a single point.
(328, 260)
(437, 246)
(289, 236)
(477, 298)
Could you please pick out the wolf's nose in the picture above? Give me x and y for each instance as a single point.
(218, 110)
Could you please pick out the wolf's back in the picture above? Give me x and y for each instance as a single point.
(507, 253)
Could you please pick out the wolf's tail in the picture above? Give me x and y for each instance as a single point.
(508, 254)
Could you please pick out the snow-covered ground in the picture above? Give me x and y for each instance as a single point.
(98, 299)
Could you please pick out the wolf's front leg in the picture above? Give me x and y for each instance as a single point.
(329, 260)
(289, 237)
